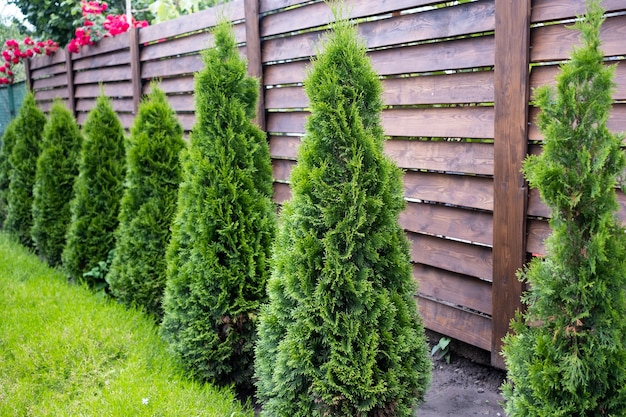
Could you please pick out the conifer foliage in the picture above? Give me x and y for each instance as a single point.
(567, 353)
(8, 141)
(57, 168)
(97, 193)
(138, 270)
(28, 127)
(224, 227)
(341, 335)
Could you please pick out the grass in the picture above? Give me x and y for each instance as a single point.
(64, 351)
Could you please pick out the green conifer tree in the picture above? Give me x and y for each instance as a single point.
(341, 335)
(224, 227)
(57, 168)
(138, 270)
(97, 193)
(29, 126)
(567, 352)
(8, 141)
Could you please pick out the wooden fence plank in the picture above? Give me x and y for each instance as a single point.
(51, 94)
(121, 73)
(270, 5)
(459, 257)
(545, 10)
(538, 231)
(182, 102)
(452, 222)
(104, 45)
(47, 60)
(71, 91)
(170, 67)
(255, 63)
(555, 42)
(101, 61)
(54, 81)
(453, 288)
(459, 324)
(48, 71)
(284, 146)
(288, 73)
(282, 192)
(121, 89)
(119, 105)
(472, 157)
(282, 169)
(510, 147)
(184, 84)
(460, 190)
(135, 68)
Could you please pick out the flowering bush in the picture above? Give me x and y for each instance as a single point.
(97, 26)
(13, 55)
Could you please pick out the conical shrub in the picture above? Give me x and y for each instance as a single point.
(29, 126)
(8, 141)
(567, 352)
(97, 193)
(223, 230)
(57, 168)
(138, 271)
(341, 335)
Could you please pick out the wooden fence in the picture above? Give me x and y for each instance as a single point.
(457, 79)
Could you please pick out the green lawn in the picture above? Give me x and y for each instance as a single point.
(66, 352)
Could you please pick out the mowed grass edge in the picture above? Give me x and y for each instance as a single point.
(64, 351)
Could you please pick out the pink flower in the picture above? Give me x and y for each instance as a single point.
(28, 41)
(4, 81)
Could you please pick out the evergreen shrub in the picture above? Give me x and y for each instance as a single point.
(341, 335)
(57, 168)
(29, 126)
(224, 227)
(138, 271)
(567, 352)
(8, 141)
(97, 193)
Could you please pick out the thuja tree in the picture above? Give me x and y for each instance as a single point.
(567, 353)
(57, 168)
(97, 193)
(221, 236)
(138, 270)
(28, 127)
(8, 140)
(341, 334)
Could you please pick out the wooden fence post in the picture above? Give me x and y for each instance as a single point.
(69, 69)
(511, 85)
(29, 75)
(253, 51)
(135, 68)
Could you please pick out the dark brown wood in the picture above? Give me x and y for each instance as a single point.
(121, 89)
(460, 190)
(71, 93)
(119, 105)
(287, 73)
(460, 324)
(135, 68)
(510, 147)
(616, 122)
(284, 147)
(269, 5)
(253, 50)
(51, 94)
(538, 231)
(47, 71)
(545, 10)
(456, 289)
(187, 121)
(121, 73)
(459, 257)
(472, 157)
(120, 57)
(184, 84)
(172, 67)
(182, 102)
(555, 42)
(47, 60)
(282, 169)
(104, 45)
(453, 222)
(282, 192)
(59, 80)
(28, 73)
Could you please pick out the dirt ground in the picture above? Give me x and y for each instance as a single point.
(465, 387)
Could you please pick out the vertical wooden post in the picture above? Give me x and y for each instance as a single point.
(71, 94)
(135, 68)
(511, 85)
(253, 50)
(29, 74)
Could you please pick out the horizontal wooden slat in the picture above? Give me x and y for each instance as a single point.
(121, 73)
(476, 158)
(119, 105)
(105, 60)
(184, 84)
(51, 94)
(170, 67)
(287, 73)
(546, 75)
(126, 119)
(282, 192)
(538, 231)
(269, 5)
(182, 102)
(186, 120)
(453, 288)
(104, 45)
(616, 122)
(122, 89)
(201, 20)
(318, 14)
(545, 10)
(54, 81)
(284, 146)
(537, 208)
(555, 42)
(282, 169)
(45, 106)
(457, 323)
(460, 190)
(452, 222)
(42, 61)
(289, 122)
(459, 257)
(48, 71)
(459, 88)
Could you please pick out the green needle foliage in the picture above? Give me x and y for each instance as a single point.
(29, 126)
(97, 193)
(218, 258)
(138, 270)
(57, 168)
(8, 141)
(341, 335)
(567, 353)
